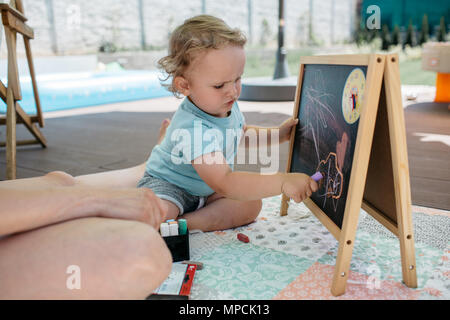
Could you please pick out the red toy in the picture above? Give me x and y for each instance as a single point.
(242, 237)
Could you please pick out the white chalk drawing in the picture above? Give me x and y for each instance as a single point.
(317, 114)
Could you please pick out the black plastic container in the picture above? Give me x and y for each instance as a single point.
(178, 246)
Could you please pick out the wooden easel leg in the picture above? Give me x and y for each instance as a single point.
(401, 170)
(10, 135)
(408, 257)
(284, 205)
(342, 268)
(345, 251)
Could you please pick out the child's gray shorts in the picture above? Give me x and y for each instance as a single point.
(185, 201)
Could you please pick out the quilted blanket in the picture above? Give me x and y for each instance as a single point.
(293, 257)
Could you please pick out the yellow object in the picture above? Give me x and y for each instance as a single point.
(442, 87)
(352, 97)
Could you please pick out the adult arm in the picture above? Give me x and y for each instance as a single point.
(36, 202)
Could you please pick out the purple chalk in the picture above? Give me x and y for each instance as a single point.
(317, 176)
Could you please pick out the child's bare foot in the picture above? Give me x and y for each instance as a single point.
(162, 130)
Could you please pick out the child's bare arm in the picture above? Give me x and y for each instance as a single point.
(272, 135)
(250, 185)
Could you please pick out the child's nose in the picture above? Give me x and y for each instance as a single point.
(234, 91)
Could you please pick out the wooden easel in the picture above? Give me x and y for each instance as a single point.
(14, 22)
(379, 180)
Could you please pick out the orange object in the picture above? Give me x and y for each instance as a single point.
(442, 87)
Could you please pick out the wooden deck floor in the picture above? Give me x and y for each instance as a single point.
(428, 139)
(87, 143)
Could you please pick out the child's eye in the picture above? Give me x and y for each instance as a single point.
(219, 86)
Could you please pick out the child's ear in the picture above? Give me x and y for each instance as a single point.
(181, 85)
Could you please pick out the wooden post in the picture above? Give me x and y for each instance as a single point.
(10, 135)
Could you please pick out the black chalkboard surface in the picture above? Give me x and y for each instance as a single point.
(329, 108)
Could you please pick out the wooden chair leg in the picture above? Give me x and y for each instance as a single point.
(34, 130)
(33, 81)
(10, 135)
(13, 71)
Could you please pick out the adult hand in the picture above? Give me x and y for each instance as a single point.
(139, 204)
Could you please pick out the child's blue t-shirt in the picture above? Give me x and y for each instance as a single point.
(192, 133)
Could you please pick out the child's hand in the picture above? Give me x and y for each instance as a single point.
(298, 186)
(285, 129)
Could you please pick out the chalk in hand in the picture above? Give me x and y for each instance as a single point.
(317, 176)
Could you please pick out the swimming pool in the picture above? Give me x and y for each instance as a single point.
(62, 91)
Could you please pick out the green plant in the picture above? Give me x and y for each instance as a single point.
(265, 32)
(410, 35)
(107, 47)
(385, 38)
(360, 36)
(442, 33)
(396, 36)
(424, 30)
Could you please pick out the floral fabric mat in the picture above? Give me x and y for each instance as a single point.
(293, 257)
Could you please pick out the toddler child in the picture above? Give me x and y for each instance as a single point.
(192, 168)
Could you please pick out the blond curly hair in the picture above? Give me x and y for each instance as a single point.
(196, 34)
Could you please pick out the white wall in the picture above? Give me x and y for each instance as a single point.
(81, 26)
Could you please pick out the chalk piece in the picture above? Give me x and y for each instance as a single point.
(182, 226)
(317, 176)
(173, 229)
(242, 237)
(197, 263)
(164, 230)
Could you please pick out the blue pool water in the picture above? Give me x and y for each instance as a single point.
(61, 91)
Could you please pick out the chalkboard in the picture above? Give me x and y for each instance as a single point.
(328, 112)
(351, 129)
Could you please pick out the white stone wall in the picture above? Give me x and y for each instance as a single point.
(82, 26)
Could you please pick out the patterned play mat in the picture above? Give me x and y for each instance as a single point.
(293, 257)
